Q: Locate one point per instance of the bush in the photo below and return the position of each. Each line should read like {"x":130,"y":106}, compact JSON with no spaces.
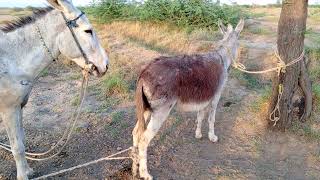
{"x":183,"y":13}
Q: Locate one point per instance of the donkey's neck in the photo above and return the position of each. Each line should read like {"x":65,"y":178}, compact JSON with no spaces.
{"x":223,"y":53}
{"x":25,"y":53}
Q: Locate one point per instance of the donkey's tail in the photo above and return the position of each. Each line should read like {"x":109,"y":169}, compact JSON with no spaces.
{"x":142,"y":106}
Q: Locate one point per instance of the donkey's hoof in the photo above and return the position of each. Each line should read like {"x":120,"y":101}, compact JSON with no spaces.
{"x":213,"y":138}
{"x":22,"y":177}
{"x":146,"y":176}
{"x":198,"y":135}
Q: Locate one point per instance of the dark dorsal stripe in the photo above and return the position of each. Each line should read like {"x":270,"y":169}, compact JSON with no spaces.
{"x":22,"y":21}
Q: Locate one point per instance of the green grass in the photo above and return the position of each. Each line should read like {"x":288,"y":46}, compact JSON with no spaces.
{"x":114,"y":84}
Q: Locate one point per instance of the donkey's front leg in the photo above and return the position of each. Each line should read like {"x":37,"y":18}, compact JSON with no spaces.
{"x":212,"y":115}
{"x":12,"y":119}
{"x":200,"y":117}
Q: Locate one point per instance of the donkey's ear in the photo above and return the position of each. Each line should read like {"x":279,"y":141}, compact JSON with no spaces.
{"x":239,"y":27}
{"x":230,"y":28}
{"x":222,"y":28}
{"x":62,"y":5}
{"x":55,"y":4}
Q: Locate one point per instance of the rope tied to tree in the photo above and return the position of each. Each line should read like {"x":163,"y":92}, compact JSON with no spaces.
{"x":275,"y":114}
{"x":280,"y":68}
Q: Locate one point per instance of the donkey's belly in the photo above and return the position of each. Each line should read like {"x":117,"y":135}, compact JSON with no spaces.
{"x":190,"y":107}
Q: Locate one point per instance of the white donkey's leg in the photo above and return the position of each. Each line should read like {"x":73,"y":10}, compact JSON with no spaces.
{"x":212,"y":112}
{"x":158,"y":116}
{"x":12,"y":119}
{"x":200,"y":117}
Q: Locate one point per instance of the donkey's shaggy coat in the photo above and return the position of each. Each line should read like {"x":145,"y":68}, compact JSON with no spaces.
{"x":183,"y":78}
{"x":193,"y":83}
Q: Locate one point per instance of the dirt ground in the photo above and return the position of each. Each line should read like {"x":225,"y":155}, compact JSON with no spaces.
{"x":246,"y":148}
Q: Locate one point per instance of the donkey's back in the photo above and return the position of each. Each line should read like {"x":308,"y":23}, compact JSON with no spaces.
{"x":188,"y":80}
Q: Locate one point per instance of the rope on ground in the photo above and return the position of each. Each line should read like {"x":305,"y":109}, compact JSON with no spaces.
{"x":281,"y":68}
{"x":108,"y":158}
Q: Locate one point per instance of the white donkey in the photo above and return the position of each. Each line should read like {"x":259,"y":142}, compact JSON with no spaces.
{"x":193,"y":83}
{"x":30,"y":44}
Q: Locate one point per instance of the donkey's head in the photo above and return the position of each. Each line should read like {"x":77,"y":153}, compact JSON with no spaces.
{"x":84,"y":34}
{"x":231,"y":38}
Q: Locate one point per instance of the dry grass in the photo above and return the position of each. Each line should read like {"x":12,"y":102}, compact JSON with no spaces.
{"x":164,"y":38}
{"x":7,"y":14}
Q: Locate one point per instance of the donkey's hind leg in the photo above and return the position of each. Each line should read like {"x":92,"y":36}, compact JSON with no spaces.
{"x":212,"y":112}
{"x":200,"y":117}
{"x":12,"y":119}
{"x":158,"y":116}
{"x":136,"y":134}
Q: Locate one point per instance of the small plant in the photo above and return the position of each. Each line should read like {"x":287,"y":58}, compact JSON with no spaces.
{"x":75,"y":101}
{"x":115,"y":85}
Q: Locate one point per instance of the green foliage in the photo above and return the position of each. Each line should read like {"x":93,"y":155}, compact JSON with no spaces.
{"x":183,"y":13}
{"x":115,"y":85}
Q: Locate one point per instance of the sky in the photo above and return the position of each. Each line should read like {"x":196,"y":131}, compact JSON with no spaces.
{"x":24,"y":3}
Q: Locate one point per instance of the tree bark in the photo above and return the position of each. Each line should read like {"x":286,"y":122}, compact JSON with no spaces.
{"x":291,"y":29}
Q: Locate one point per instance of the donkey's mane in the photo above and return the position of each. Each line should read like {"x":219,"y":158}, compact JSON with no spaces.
{"x":22,"y":21}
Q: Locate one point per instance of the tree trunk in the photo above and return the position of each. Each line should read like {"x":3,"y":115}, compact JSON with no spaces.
{"x":291,"y":29}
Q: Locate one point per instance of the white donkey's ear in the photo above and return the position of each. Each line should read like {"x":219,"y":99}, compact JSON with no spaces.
{"x":239,"y":27}
{"x":230,"y":28}
{"x":62,"y":5}
{"x":222,"y":28}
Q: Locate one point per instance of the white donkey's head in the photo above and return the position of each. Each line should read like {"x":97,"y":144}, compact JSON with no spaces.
{"x":78,"y":41}
{"x":231,"y":37}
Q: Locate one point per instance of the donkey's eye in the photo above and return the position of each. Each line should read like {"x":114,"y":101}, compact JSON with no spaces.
{"x":89,"y":31}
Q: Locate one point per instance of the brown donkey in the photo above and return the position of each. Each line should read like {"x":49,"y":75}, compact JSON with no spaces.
{"x":193,"y":83}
